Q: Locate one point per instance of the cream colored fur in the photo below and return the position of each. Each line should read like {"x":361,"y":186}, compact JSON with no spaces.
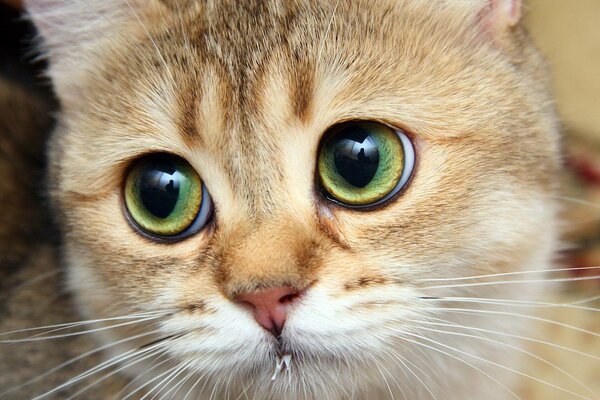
{"x":244,"y":92}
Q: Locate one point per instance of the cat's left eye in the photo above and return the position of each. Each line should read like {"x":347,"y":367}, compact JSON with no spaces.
{"x":165,"y":198}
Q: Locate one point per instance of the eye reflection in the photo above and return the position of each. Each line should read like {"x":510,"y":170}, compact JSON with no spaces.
{"x":356,"y":156}
{"x":159,"y":191}
{"x":166,"y":198}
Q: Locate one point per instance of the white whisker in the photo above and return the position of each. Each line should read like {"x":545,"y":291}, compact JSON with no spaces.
{"x":514,"y":336}
{"x":170,"y":378}
{"x":322,"y":47}
{"x":85,"y":322}
{"x":525,"y":316}
{"x":540,"y":272}
{"x":500,"y":366}
{"x":30,"y":282}
{"x":513,"y":394}
{"x":528,"y":281}
{"x":583,"y":301}
{"x":73,"y":360}
{"x":175,"y":389}
{"x":404,"y":362}
{"x":104,"y":328}
{"x":102,"y":366}
{"x":541,"y":359}
{"x":518,"y":303}
{"x":155,"y":364}
{"x":577,"y":201}
{"x":168,"y":372}
{"x":378,"y":365}
{"x":135,"y":360}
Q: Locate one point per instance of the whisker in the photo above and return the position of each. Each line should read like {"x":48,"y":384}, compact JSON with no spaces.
{"x":79,"y":323}
{"x":141,"y":387}
{"x":583,"y":301}
{"x":178,"y":386}
{"x":514,"y":336}
{"x":227,"y":385}
{"x":322,"y":47}
{"x":513,"y":394}
{"x":525,"y":316}
{"x":73,"y":360}
{"x":378,"y":365}
{"x":135,"y":360}
{"x":499,"y":366}
{"x":518,"y":303}
{"x":528,"y":281}
{"x":516,"y":273}
{"x":577,"y":201}
{"x":102,"y":366}
{"x":158,"y":341}
{"x":155,"y":364}
{"x":36,"y":339}
{"x":198,"y":380}
{"x":541,"y":359}
{"x":404,"y":362}
{"x":428,"y":361}
{"x":30,"y":282}
{"x":423,"y":356}
{"x":168,"y":379}
{"x":184,"y":33}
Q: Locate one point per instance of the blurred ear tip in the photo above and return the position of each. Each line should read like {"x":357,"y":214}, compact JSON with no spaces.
{"x":507,"y":12}
{"x":515,"y":12}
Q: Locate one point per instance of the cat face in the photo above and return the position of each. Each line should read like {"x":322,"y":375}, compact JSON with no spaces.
{"x":246,"y":96}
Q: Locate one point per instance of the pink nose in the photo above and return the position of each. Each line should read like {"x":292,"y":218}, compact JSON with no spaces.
{"x":270,"y":306}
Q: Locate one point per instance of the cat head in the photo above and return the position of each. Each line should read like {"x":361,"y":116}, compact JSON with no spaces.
{"x":266,"y":244}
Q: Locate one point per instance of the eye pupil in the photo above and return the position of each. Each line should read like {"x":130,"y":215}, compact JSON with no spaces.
{"x":356,"y":156}
{"x":159,"y":189}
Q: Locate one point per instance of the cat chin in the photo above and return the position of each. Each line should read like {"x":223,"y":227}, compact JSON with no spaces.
{"x":326,"y":379}
{"x":252,"y":373}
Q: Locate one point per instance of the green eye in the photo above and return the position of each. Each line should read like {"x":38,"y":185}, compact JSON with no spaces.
{"x":364,"y":163}
{"x":165,"y":197}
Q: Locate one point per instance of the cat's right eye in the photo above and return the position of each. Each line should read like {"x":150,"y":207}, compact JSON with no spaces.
{"x":165,"y":198}
{"x":363,"y":164}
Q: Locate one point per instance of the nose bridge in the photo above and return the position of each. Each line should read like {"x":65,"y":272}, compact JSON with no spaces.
{"x":257,"y":166}
{"x":267,"y":254}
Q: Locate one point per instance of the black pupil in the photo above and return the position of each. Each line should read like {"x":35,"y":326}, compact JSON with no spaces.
{"x":158,"y":188}
{"x":356,"y":155}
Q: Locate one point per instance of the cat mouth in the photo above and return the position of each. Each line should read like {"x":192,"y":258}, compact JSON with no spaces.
{"x":300,"y":352}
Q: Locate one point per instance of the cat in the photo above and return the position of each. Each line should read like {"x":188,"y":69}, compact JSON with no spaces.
{"x":292,"y":199}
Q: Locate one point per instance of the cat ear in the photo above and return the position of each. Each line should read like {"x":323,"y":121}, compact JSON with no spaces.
{"x":506,"y":13}
{"x":70,"y":30}
{"x":501,"y":15}
{"x":68,"y":25}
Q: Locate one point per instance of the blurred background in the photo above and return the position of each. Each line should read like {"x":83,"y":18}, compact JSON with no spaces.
{"x":568,"y":33}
